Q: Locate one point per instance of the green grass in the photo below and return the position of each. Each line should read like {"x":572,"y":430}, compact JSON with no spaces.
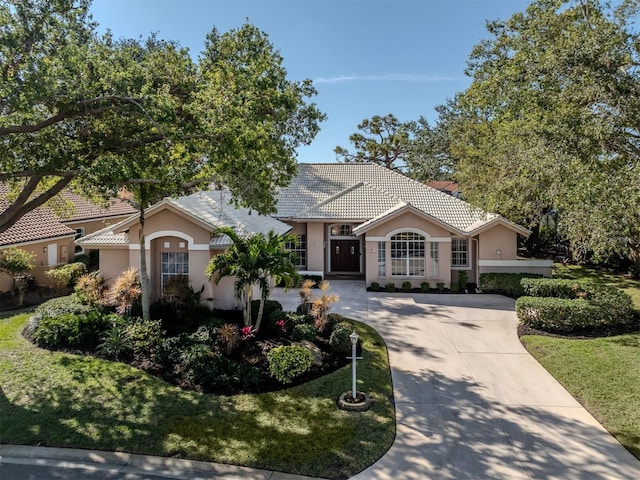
{"x":603,"y":374}
{"x":58,"y":399}
{"x":577,"y":272}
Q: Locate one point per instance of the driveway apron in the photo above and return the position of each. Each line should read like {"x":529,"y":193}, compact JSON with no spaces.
{"x":471,"y":403}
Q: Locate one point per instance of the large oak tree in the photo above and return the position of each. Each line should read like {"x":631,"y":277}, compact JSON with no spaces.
{"x":551,"y":121}
{"x":77,"y":108}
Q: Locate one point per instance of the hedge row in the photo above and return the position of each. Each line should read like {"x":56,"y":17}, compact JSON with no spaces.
{"x":505,"y":283}
{"x":563,"y":306}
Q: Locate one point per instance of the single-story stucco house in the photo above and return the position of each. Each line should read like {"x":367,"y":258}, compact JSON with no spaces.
{"x":50,"y":234}
{"x":350,"y":218}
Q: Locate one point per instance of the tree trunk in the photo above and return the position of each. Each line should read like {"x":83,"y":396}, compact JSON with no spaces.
{"x":260,"y":312}
{"x":144,"y":276}
{"x":247,"y":304}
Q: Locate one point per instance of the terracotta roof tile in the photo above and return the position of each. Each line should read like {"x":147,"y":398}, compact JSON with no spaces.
{"x":38,"y":224}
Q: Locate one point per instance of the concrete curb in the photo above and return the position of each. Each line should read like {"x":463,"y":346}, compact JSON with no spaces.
{"x":127,"y":463}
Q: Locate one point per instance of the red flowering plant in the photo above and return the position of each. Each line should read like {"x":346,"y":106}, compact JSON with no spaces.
{"x":247,"y":332}
{"x":281,"y":325}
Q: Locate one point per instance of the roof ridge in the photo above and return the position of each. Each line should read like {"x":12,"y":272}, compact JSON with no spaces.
{"x":333,"y":197}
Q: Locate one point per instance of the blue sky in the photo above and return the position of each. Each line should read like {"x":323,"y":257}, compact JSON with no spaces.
{"x":366,"y":57}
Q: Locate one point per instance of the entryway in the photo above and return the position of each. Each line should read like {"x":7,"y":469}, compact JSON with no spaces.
{"x":345,"y":256}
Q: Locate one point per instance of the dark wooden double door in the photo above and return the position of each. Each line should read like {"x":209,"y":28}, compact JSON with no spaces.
{"x":345,"y":256}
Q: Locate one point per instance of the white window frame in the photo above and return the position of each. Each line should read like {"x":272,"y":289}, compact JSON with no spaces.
{"x":434,"y":254}
{"x":405,"y":253}
{"x":79,"y":234}
{"x":180,"y":268}
{"x":299,"y":248}
{"x":382,"y":259}
{"x":456,"y":254}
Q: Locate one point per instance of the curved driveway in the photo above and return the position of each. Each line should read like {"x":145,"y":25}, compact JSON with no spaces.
{"x":471,"y":403}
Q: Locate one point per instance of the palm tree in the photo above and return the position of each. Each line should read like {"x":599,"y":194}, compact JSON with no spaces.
{"x":254,"y":260}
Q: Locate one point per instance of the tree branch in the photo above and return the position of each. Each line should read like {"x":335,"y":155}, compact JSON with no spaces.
{"x":21,"y":206}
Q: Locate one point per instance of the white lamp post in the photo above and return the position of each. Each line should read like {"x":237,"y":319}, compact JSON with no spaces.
{"x":354,"y":343}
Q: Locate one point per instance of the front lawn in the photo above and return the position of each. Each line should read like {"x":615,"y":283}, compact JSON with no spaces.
{"x":603,"y":374}
{"x":59,"y":399}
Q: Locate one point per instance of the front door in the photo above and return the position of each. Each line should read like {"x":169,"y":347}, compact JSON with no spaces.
{"x":345,"y":256}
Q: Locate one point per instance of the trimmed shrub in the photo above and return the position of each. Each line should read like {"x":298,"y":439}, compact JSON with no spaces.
{"x":286,"y":363}
{"x":505,"y":283}
{"x":554,"y":287}
{"x":593,"y":307}
{"x":339,"y":339}
{"x":390,"y":287}
{"x":425,"y":287}
{"x":462,"y":280}
{"x":406,"y":286}
{"x":69,"y":330}
{"x":143,"y":335}
{"x":440,"y":286}
{"x":170,"y":348}
{"x":55,"y":307}
{"x":64,"y":277}
{"x":375,"y":286}
{"x":304,"y":331}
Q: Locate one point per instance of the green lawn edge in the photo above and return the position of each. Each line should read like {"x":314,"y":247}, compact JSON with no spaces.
{"x":603,"y":374}
{"x":64,"y":400}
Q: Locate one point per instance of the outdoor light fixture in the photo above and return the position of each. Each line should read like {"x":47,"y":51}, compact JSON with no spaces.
{"x":354,"y":342}
{"x":498,"y":253}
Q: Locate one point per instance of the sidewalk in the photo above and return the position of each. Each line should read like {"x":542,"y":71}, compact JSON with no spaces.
{"x":126,"y":465}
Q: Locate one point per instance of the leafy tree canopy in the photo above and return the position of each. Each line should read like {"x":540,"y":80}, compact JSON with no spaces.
{"x":413,"y":147}
{"x":551,"y":121}
{"x":83,"y":109}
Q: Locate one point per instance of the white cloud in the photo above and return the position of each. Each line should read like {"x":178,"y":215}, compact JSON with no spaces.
{"x":393,"y":77}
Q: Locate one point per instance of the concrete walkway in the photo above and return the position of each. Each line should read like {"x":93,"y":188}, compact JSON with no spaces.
{"x":471,"y":403}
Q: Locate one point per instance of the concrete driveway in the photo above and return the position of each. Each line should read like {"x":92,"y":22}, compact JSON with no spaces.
{"x":471,"y":403}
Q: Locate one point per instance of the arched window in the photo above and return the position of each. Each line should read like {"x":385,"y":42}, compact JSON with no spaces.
{"x":407,"y":255}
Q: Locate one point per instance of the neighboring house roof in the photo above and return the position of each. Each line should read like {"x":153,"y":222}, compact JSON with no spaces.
{"x":83,"y":209}
{"x":446,"y":186}
{"x":365,"y":191}
{"x":38,"y":224}
{"x":44,"y":223}
{"x":211,"y":209}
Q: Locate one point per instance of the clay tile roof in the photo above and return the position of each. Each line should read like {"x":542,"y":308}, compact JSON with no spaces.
{"x":84,"y":209}
{"x":317,"y":183}
{"x":38,"y":224}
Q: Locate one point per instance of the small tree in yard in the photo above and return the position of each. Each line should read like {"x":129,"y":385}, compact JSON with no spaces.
{"x":125,"y":291}
{"x":18,"y":263}
{"x":253,"y":260}
{"x":321,"y":305}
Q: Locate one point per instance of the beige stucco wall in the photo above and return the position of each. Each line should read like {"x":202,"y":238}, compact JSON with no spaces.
{"x":498,"y":238}
{"x":169,"y":221}
{"x":64,"y":249}
{"x":409,"y":221}
{"x":315,"y":246}
{"x":113,"y":262}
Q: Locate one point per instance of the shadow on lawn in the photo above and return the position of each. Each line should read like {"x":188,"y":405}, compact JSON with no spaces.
{"x":105,"y":406}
